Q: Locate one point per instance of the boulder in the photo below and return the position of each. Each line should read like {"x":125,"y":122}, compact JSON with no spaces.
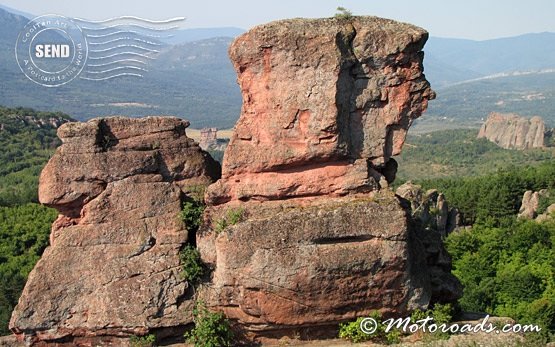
{"x":326,"y":104}
{"x":112,"y":267}
{"x":430,"y":208}
{"x":284,"y":267}
{"x":512,"y":131}
{"x":530,"y":204}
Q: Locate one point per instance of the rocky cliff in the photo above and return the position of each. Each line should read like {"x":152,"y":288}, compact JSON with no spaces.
{"x":320,"y":239}
{"x":301,"y":232}
{"x":112,"y":268}
{"x":512,"y":131}
{"x":326,"y":103}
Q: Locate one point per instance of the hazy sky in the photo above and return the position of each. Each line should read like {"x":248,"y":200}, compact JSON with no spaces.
{"x":474,"y":19}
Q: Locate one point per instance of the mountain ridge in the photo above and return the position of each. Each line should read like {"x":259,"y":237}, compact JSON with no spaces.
{"x":194,"y":79}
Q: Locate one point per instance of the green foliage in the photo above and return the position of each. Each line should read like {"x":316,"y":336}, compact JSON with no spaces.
{"x":343,"y":13}
{"x":192,"y":267}
{"x":441,"y":314}
{"x":28,"y":139}
{"x":546,"y":201}
{"x":211,"y":329}
{"x":143,"y":341}
{"x":508,"y":270}
{"x":493,"y":199}
{"x":24,"y":234}
{"x":232,"y":217}
{"x":191,"y":214}
{"x":456,"y":153}
{"x":351,"y":331}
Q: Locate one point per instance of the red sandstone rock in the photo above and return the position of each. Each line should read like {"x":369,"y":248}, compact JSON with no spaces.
{"x":299,"y":265}
{"x":326,"y":103}
{"x":321,"y":95}
{"x":112,"y":268}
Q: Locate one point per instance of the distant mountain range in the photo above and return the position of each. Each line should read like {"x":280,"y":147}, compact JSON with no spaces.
{"x":448,"y":61}
{"x":193,"y":78}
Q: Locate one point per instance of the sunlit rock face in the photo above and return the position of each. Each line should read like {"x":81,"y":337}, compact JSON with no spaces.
{"x":112,"y":268}
{"x":326,"y":103}
{"x":319,"y":240}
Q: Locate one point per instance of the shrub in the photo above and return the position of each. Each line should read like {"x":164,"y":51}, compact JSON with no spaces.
{"x":351,"y":331}
{"x":192,"y":268}
{"x":343,"y":13}
{"x":232,"y":217}
{"x":191,"y":214}
{"x":142,"y":341}
{"x":442,"y":313}
{"x":211,"y":329}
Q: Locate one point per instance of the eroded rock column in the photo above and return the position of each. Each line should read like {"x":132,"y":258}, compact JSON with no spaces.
{"x":300,"y":231}
{"x":112,"y":268}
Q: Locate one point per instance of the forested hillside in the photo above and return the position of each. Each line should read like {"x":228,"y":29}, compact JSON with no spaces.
{"x":456,"y":153}
{"x":28,"y":139}
{"x":506,"y":265}
{"x":24,"y":234}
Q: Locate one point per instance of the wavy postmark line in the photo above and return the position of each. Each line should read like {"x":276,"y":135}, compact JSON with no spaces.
{"x":124,"y":39}
{"x":132,"y":32}
{"x":118,"y":68}
{"x":123,"y":46}
{"x":115,"y":26}
{"x":110,"y":77}
{"x":171,"y":20}
{"x":118,"y":62}
{"x":122,"y":53}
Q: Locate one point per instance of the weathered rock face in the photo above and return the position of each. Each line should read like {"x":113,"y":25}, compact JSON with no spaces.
{"x":326,"y":103}
{"x":531,"y":204}
{"x":113,"y":264}
{"x":285,"y":266}
{"x":513,"y":132}
{"x":430,"y":208}
{"x":298,"y":232}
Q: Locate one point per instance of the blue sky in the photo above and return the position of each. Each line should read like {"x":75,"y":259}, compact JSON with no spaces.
{"x":472,"y":19}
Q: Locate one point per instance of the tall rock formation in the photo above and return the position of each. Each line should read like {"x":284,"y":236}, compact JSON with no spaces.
{"x":301,"y":233}
{"x":112,"y":268}
{"x":298,"y":232}
{"x":512,"y":131}
{"x":326,"y":104}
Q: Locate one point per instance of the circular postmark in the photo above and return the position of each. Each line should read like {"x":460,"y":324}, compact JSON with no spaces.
{"x":51,"y":50}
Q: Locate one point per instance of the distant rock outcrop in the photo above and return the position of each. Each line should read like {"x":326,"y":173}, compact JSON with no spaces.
{"x":112,"y":268}
{"x":512,"y":131}
{"x":430,"y":208}
{"x":299,"y":231}
{"x":530,"y":207}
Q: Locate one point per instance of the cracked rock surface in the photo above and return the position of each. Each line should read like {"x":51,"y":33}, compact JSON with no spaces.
{"x":112,"y":267}
{"x":512,"y":131}
{"x":326,"y":103}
